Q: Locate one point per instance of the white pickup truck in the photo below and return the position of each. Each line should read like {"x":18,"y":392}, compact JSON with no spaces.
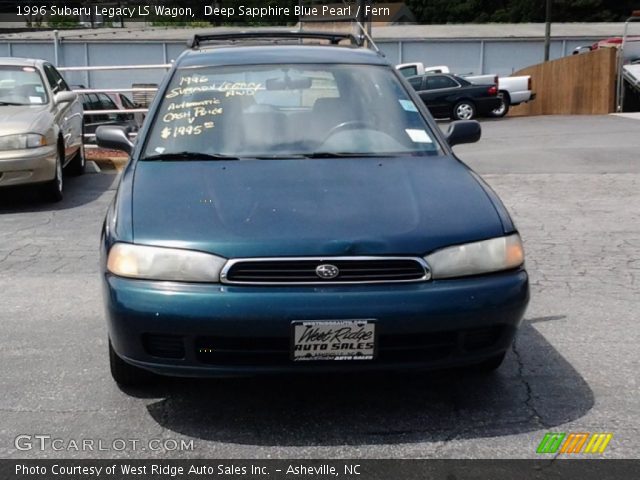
{"x":512,"y":90}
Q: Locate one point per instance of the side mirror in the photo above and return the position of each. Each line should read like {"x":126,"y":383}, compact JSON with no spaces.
{"x":114,"y":138}
{"x":64,"y":97}
{"x":464,"y":131}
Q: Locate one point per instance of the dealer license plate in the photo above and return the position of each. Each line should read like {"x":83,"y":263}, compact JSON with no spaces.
{"x":333,"y":340}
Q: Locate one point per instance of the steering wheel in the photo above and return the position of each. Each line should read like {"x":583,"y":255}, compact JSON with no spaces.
{"x":350,"y":125}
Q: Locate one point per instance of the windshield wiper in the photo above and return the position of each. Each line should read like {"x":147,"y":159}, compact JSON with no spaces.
{"x":188,"y":156}
{"x":12,"y":104}
{"x":361,"y":155}
{"x":292,"y":156}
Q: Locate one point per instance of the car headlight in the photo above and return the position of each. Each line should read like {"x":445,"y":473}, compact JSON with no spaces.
{"x":159,"y":263}
{"x":21,"y":141}
{"x":494,"y":255}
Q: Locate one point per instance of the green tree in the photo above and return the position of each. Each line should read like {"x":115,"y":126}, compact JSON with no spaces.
{"x":518,"y":11}
{"x":63,"y":22}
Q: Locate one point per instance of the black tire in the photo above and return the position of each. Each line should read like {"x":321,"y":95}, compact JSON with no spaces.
{"x":53,"y":189}
{"x":464,"y":110}
{"x":489,"y":365}
{"x":78,"y":162}
{"x":125,"y":374}
{"x":503,"y":109}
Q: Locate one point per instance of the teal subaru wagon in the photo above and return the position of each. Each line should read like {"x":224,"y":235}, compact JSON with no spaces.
{"x":291,"y":206}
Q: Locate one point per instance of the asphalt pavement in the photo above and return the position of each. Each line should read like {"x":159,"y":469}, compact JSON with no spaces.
{"x":573,"y":187}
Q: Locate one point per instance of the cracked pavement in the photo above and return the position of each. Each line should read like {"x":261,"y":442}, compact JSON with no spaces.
{"x":572,"y":185}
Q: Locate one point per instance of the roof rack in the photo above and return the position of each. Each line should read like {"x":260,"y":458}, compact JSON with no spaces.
{"x":333,"y":38}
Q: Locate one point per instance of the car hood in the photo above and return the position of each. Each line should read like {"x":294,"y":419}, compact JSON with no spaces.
{"x":320,"y":207}
{"x":20,"y":119}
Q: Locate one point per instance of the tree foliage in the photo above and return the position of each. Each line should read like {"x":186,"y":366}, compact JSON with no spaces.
{"x":519,"y":11}
{"x":63,"y":22}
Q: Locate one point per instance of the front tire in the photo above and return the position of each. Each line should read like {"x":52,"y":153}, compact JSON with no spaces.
{"x":503,"y":109}
{"x":464,"y":110}
{"x":125,"y":374}
{"x":52,"y":190}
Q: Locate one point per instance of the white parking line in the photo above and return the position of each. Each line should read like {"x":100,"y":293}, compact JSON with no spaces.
{"x":92,"y":167}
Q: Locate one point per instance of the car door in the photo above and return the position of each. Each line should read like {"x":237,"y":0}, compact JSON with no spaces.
{"x":417,"y":83}
{"x":107,"y":103}
{"x":137,"y":118}
{"x":92,"y":120}
{"x":439,"y":94}
{"x":68,"y":116}
{"x":98,"y":102}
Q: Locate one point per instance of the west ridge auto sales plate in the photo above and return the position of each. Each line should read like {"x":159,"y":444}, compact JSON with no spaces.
{"x":333,"y":340}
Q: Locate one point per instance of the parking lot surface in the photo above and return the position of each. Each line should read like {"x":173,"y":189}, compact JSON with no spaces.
{"x":573,"y":187}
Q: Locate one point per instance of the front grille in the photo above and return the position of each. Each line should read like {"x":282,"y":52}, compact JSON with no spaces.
{"x":303,"y":270}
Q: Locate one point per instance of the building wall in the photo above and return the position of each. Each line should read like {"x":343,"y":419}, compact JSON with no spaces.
{"x":113,"y":54}
{"x":499,"y":56}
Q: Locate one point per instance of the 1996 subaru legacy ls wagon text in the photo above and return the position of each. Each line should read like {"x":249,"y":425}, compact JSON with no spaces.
{"x":293,"y":207}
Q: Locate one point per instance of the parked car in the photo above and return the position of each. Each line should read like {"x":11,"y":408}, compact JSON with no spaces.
{"x":40,"y":125}
{"x":580,"y":49}
{"x":631,"y":46}
{"x":412,"y":69}
{"x":104,"y":101}
{"x":511,"y":90}
{"x":125,"y":103}
{"x":451,"y":96}
{"x":240,"y":243}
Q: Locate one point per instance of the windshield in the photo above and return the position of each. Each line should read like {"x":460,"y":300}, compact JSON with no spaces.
{"x":287,"y":111}
{"x":21,"y":86}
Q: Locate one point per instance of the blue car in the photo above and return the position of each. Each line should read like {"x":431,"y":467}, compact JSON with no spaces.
{"x":293,"y":207}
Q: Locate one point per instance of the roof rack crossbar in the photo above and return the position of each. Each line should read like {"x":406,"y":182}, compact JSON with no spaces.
{"x":333,"y":38}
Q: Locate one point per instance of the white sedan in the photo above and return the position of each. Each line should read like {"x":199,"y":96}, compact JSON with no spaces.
{"x":40,"y":126}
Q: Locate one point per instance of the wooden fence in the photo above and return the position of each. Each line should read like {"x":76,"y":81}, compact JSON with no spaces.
{"x":579,"y":84}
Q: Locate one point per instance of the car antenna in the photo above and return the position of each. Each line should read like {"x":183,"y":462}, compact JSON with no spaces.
{"x":365,"y":34}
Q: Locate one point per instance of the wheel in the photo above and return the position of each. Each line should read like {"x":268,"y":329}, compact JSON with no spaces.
{"x":503,"y":109}
{"x":464,"y":110}
{"x":77,"y":164}
{"x":126,"y":374}
{"x":53,"y":189}
{"x":489,"y":365}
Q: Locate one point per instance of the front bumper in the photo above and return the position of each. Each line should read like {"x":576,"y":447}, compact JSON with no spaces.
{"x":421,"y":325}
{"x":33,"y":165}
